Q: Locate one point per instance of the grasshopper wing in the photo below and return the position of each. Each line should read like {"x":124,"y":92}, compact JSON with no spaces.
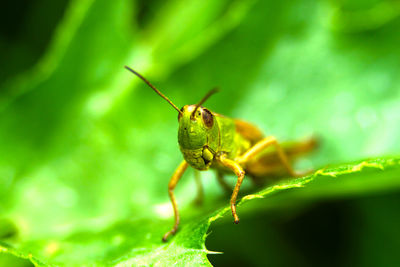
{"x":248,"y":131}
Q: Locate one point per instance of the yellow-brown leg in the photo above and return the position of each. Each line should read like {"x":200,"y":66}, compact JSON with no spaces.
{"x":238,"y":170}
{"x":171,"y":186}
{"x":200,"y":192}
{"x":223,"y":183}
{"x":260,"y":146}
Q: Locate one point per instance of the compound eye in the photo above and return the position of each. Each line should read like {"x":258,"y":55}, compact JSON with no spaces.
{"x":208,"y":118}
{"x":180,"y":114}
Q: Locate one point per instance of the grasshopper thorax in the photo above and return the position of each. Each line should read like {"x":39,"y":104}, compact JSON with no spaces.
{"x":197,"y":136}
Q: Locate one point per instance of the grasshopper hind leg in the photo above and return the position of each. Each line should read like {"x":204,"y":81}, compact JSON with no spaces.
{"x":238,"y":166}
{"x":261,"y":146}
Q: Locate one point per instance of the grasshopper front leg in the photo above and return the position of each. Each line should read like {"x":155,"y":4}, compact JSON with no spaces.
{"x":171,"y":186}
{"x":236,"y":166}
{"x":238,"y":170}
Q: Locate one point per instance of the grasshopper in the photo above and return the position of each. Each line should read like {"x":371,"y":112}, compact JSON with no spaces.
{"x":210,"y":140}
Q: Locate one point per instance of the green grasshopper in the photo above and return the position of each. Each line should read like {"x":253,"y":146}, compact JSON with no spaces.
{"x":210,"y":140}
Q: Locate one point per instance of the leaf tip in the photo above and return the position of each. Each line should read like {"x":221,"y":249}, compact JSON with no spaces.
{"x":214,"y":252}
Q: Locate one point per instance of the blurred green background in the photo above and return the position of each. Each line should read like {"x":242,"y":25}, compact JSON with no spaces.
{"x":86,"y":146}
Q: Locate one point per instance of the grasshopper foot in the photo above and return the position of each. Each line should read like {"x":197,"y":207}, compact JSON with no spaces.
{"x":235,"y":218}
{"x":167,"y":234}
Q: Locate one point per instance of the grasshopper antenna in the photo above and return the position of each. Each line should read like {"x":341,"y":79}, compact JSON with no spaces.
{"x":154,"y":88}
{"x":210,"y":93}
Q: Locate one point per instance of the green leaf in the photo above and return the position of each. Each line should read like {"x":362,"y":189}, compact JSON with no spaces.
{"x":138,"y":242}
